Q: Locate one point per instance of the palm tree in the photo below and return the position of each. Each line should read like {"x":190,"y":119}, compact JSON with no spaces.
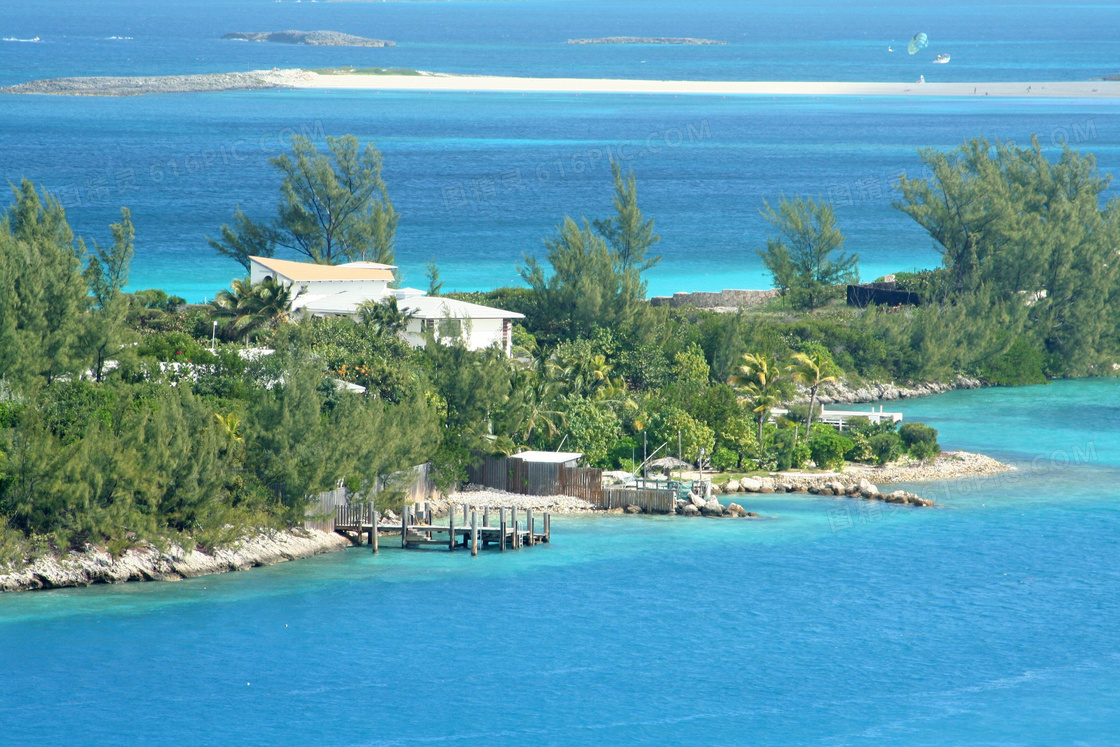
{"x":384,"y":316}
{"x":760,"y":379}
{"x":811,"y":369}
{"x":534,"y":405}
{"x":248,"y":307}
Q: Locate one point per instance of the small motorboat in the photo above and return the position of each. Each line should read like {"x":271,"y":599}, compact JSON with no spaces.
{"x":942,"y":59}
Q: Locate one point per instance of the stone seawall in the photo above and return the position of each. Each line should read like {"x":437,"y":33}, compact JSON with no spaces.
{"x":726,"y":300}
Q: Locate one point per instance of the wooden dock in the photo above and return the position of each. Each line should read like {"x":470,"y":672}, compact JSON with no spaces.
{"x":467,"y":528}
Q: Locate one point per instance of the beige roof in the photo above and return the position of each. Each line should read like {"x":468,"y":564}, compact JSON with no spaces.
{"x":297,"y":271}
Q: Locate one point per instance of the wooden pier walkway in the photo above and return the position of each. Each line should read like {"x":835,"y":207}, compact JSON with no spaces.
{"x":501,"y":527}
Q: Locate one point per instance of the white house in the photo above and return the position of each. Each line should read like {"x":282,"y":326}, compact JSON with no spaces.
{"x":338,"y":290}
{"x":307,"y":278}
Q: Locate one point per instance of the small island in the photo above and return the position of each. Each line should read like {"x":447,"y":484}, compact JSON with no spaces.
{"x":645,"y":40}
{"x":310,"y":38}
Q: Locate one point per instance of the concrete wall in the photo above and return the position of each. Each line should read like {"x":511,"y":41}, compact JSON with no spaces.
{"x":723,"y":299}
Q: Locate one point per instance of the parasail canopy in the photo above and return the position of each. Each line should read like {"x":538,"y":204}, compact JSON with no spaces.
{"x":917,"y":44}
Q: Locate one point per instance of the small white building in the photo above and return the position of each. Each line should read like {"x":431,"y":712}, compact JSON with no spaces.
{"x":338,"y":290}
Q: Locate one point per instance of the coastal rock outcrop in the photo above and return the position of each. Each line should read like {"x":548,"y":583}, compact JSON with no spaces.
{"x":310,"y":38}
{"x":140,"y":84}
{"x":712,"y":508}
{"x":843,"y":393}
{"x":147,"y":563}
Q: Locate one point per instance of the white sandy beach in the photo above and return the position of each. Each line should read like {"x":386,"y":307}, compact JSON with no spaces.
{"x":439,"y":82}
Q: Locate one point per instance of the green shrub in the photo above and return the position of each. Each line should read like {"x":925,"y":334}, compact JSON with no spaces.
{"x":725,"y":459}
{"x":177,"y":347}
{"x":914,"y":433}
{"x":828,"y":449}
{"x":861,"y":448}
{"x":624,"y":450}
{"x":886,"y":447}
{"x":923,"y":450}
{"x":1021,"y":365}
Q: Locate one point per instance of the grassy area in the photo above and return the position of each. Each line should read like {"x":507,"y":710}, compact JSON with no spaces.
{"x":349,"y":70}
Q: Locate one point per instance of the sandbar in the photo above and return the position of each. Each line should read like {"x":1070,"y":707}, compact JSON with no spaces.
{"x":502,"y":84}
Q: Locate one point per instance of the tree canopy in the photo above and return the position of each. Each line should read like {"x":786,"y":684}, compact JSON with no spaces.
{"x":334,"y":207}
{"x":806,"y":257}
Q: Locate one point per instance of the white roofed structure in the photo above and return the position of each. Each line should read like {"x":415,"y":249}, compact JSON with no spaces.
{"x":338,"y":290}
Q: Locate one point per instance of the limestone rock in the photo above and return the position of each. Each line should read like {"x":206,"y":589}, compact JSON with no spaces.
{"x":734,"y":486}
{"x":866,"y":487}
{"x":633,"y":509}
{"x":697,"y":500}
{"x":734,"y":509}
{"x":752,"y":515}
{"x":690,"y":510}
{"x":750,"y":485}
{"x":712,"y":508}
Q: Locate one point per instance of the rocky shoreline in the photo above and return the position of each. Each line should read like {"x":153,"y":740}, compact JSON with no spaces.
{"x":94,"y":565}
{"x":147,"y":563}
{"x":138,"y":85}
{"x":862,"y":480}
{"x":309,"y":38}
{"x":843,"y":393}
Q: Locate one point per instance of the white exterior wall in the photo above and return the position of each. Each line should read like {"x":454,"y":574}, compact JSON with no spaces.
{"x":374,"y":289}
{"x":481,"y":333}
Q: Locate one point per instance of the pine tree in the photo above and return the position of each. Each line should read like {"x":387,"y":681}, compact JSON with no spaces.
{"x":43,"y":296}
{"x":627,"y":232}
{"x":333,"y":208}
{"x":105,"y":334}
{"x":806,"y":256}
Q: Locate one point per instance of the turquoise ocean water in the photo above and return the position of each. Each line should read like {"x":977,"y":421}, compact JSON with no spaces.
{"x":482,"y":179}
{"x":988,"y":621}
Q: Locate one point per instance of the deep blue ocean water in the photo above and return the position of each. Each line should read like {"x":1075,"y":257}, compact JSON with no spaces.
{"x":481,"y":180}
{"x":988,"y":621}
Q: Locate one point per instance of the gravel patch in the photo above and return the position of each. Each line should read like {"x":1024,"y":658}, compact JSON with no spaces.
{"x":474,"y":495}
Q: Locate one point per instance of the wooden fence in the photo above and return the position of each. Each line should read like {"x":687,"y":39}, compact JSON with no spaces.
{"x":533,"y":478}
{"x":651,"y":500}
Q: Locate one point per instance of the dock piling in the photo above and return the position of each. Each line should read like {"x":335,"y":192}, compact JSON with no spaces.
{"x":451,"y":530}
{"x":531,"y":523}
{"x":474,"y":532}
{"x":373,"y":533}
{"x":548,"y":527}
{"x":501,"y":530}
{"x":404,"y":528}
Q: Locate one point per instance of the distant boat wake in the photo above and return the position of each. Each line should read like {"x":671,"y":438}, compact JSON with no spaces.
{"x":13,"y":39}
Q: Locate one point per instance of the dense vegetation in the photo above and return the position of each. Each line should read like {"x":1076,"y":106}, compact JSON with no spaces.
{"x":121,"y":422}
